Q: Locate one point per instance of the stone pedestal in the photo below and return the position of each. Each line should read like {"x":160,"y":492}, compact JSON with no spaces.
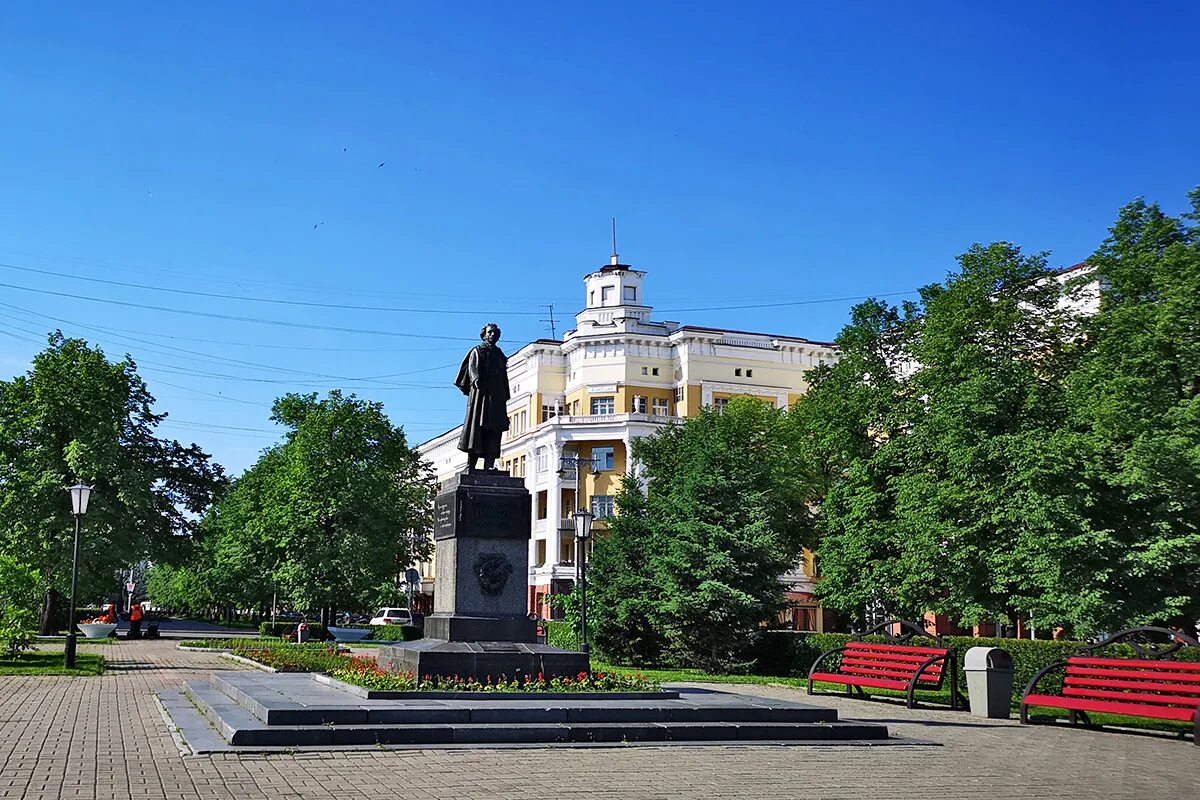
{"x":479,"y":625}
{"x":481,"y":537}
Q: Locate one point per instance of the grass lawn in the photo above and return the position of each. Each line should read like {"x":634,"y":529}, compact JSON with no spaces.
{"x":941,"y":698}
{"x":51,"y":663}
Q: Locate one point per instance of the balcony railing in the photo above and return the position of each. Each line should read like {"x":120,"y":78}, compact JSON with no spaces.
{"x":610,"y":419}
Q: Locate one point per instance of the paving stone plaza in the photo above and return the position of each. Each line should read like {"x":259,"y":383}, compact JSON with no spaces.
{"x":106,"y":738}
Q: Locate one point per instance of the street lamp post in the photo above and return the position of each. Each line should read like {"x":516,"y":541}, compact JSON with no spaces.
{"x":80,"y":494}
{"x":583,"y":532}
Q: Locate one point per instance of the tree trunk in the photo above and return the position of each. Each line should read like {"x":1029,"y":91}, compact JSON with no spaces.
{"x":325,"y":616}
{"x":51,"y":610}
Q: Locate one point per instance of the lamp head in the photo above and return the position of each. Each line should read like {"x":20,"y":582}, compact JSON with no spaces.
{"x":81,"y":493}
{"x":583,"y":524}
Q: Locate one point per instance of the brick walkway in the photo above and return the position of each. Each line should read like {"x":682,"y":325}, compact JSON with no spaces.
{"x":68,"y":738}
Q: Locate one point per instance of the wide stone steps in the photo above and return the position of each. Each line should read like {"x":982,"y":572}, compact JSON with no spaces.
{"x":259,"y":710}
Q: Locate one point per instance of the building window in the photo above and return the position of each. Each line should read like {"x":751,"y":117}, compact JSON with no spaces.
{"x":654,"y":371}
{"x":541,"y":553}
{"x":720,"y":403}
{"x":645,"y":371}
{"x":679,"y":395}
{"x":749,"y":373}
{"x":604,"y":405}
{"x":639,"y":404}
{"x":605,"y":294}
{"x":738,"y":372}
{"x":659,"y":407}
{"x":550,"y":411}
{"x":631,"y":294}
{"x":543,"y":505}
{"x":602,"y":506}
{"x":603,"y":459}
{"x":575,"y":408}
{"x":541,"y":460}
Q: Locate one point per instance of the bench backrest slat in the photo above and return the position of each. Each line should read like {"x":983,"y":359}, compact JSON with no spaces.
{"x":1141,"y":686}
{"x":1166,"y":675}
{"x":891,"y":675}
{"x":895,"y":658}
{"x":899,"y":666}
{"x":929,"y":652}
{"x":1133,"y":663}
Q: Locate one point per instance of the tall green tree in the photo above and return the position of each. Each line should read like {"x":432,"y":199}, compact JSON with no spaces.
{"x":78,"y":416}
{"x":322,"y":519}
{"x":624,"y":596}
{"x":967,"y":501}
{"x":1136,"y":397}
{"x":725,"y":514}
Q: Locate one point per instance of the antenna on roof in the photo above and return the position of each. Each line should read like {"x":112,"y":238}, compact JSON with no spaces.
{"x":553,"y":332}
{"x":615,"y":259}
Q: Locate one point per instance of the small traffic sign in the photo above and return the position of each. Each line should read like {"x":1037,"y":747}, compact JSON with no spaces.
{"x":129,"y":587}
{"x":411,"y":576}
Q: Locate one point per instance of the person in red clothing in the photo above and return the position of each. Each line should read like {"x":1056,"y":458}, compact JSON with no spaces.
{"x":135,"y":621}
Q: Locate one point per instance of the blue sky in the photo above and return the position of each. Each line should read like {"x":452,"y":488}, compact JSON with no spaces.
{"x":752,"y":153}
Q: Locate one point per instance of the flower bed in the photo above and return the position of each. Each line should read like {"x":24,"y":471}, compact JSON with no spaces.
{"x":298,"y":659}
{"x":366,"y":673}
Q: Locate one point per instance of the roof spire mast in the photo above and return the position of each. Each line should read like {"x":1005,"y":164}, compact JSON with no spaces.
{"x":614,"y":260}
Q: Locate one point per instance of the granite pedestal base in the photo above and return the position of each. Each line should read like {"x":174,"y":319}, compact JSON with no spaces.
{"x":481,"y":659}
{"x":466,"y":628}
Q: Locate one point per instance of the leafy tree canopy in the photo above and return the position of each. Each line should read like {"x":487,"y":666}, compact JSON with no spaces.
{"x":76,"y":416}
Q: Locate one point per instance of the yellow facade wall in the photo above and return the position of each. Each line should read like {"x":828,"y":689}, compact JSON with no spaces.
{"x":691,"y":400}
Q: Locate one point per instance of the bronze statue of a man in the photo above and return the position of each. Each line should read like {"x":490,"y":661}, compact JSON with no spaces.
{"x":483,"y":378}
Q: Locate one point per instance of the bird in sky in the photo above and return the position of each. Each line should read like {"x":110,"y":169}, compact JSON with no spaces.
{"x":381,"y":163}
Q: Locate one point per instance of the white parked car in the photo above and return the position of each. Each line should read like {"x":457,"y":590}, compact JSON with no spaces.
{"x":392,"y":616}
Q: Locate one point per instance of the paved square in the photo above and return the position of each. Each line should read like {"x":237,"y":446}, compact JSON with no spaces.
{"x":105,"y":738}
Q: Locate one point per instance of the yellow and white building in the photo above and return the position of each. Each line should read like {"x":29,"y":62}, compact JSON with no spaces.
{"x":617,"y":376}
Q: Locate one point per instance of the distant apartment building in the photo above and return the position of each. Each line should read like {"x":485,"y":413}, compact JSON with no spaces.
{"x":617,"y":376}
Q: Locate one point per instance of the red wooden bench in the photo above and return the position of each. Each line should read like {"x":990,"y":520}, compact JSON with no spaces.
{"x":898,"y":664}
{"x":1151,"y":685}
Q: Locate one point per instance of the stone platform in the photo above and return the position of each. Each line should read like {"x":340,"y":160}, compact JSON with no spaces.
{"x":481,"y":660}
{"x":259,"y":712}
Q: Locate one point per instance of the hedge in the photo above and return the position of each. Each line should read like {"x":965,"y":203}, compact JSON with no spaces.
{"x":559,"y":633}
{"x":787,"y":654}
{"x":316,"y":631}
{"x":395,"y":633}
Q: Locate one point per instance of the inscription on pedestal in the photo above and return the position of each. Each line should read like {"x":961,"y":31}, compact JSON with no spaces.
{"x":490,"y":510}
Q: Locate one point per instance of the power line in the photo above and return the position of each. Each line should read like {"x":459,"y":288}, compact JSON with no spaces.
{"x":209,"y":276}
{"x":220,"y":361}
{"x":784,"y":304}
{"x":236,"y":318}
{"x":269,"y":300}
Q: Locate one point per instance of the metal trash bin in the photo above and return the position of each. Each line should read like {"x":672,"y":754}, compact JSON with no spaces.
{"x":302,"y":633}
{"x":989,"y":681}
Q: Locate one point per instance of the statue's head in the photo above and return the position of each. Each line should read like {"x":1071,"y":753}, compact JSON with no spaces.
{"x":490,"y":333}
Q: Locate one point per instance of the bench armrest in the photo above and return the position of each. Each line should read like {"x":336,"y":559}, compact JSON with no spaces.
{"x":821,"y":658}
{"x":1040,"y":674}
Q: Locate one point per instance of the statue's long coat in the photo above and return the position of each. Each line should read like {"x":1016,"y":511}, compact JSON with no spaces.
{"x":487,"y":404}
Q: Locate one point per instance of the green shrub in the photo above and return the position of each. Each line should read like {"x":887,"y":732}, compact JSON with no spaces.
{"x":315,"y":629}
{"x":560,"y":633}
{"x":395,"y":633}
{"x":18,"y":603}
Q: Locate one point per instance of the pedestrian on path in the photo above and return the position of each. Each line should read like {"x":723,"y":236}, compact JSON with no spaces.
{"x":135,"y":621}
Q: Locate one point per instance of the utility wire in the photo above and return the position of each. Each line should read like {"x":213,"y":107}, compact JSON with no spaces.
{"x":214,"y":360}
{"x":236,"y":318}
{"x":270,"y":300}
{"x":243,"y":343}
